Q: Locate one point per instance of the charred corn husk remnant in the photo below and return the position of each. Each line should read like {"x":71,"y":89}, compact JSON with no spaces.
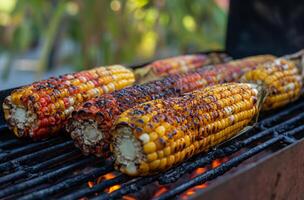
{"x":154,"y":136}
{"x":178,"y":64}
{"x":90,"y":124}
{"x":42,"y":108}
{"x":282,"y":80}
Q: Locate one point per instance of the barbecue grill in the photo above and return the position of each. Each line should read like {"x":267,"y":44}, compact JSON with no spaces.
{"x":54,"y":168}
{"x":265,"y":162}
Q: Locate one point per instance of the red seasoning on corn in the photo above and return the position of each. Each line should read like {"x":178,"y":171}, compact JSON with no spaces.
{"x":90,"y":124}
{"x":42,"y":108}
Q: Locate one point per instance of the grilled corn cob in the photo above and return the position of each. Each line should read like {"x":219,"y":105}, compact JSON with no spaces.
{"x":90,"y":124}
{"x":159,"y":134}
{"x":178,"y":64}
{"x":282,"y":80}
{"x":41,"y":109}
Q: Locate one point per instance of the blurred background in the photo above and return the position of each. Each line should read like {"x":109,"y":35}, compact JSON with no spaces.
{"x":46,"y":38}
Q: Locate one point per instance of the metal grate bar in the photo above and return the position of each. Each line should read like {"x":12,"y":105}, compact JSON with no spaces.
{"x":28,"y":149}
{"x":45,"y":178}
{"x":3,"y":127}
{"x":268,"y":122}
{"x":12,"y":177}
{"x":29,"y":157}
{"x":30,"y":171}
{"x":68,"y":183}
{"x":75,"y":154}
{"x":10,"y":143}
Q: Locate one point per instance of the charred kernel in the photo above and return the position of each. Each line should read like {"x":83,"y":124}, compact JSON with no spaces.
{"x":87,"y":104}
{"x":138,"y":130}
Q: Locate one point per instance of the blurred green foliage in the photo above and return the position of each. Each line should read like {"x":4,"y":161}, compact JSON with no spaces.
{"x":109,"y":31}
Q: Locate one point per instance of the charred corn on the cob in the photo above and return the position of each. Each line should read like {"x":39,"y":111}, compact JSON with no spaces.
{"x":157,"y":135}
{"x":178,"y":64}
{"x":90,"y":124}
{"x":41,"y":109}
{"x":282,"y":80}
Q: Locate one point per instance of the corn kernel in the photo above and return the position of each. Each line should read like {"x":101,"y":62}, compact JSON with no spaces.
{"x":150,"y":147}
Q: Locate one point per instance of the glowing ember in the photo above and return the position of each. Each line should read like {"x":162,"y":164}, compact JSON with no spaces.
{"x":103,"y":178}
{"x":200,"y":171}
{"x":108,"y":177}
{"x":91,"y":184}
{"x":160,"y":192}
{"x":113,"y":188}
{"x":216,"y":163}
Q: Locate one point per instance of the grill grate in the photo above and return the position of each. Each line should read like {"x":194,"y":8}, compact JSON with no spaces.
{"x":54,"y":168}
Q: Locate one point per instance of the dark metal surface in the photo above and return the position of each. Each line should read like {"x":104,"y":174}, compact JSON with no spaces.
{"x":259,"y":27}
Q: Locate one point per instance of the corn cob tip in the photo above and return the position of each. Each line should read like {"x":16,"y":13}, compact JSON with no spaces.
{"x":18,"y":117}
{"x":88,"y":137}
{"x":128,"y":149}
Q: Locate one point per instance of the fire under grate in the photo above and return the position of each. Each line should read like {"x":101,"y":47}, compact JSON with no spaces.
{"x":54,"y":168}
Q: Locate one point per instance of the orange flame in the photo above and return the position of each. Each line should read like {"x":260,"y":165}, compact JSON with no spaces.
{"x":215,"y":163}
{"x":199,"y":171}
{"x":113,"y":188}
{"x":107,"y":177}
{"x":102,"y":178}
